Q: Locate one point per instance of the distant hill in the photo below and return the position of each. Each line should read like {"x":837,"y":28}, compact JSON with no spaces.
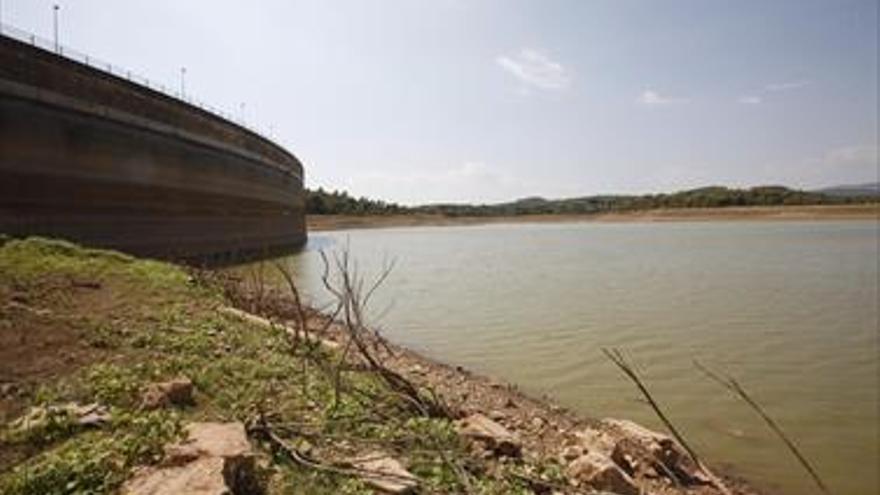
{"x":321,"y":202}
{"x":703,"y":197}
{"x":870,"y":189}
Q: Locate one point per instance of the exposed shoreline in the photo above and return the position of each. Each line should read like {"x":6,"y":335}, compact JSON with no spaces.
{"x":318,"y":223}
{"x":547,"y":430}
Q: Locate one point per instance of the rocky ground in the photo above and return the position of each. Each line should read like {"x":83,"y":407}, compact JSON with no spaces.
{"x":132,"y":376}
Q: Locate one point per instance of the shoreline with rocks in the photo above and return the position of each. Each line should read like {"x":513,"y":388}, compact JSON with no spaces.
{"x":503,"y":424}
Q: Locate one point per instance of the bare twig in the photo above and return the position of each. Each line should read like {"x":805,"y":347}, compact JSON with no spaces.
{"x":302,"y":323}
{"x":734,"y":386}
{"x":353,"y":294}
{"x":265,"y":430}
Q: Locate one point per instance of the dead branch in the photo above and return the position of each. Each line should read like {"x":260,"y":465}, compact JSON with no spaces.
{"x":264,"y":430}
{"x":734,"y":386}
{"x":302,"y":323}
{"x":353,"y":296}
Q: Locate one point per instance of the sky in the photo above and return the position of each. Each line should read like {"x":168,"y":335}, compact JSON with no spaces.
{"x":485,"y":101}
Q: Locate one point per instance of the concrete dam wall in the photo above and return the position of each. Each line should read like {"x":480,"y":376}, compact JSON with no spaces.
{"x":89,"y":156}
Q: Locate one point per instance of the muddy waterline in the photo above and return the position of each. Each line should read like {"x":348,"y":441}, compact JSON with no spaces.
{"x":790,"y":309}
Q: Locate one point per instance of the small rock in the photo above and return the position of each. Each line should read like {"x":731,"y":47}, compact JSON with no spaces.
{"x":213,"y":439}
{"x":386,"y":474}
{"x":92,"y":415}
{"x":571,"y":453}
{"x":8,"y":390}
{"x":596,"y":441}
{"x":71,"y":413}
{"x":496,"y":437}
{"x":537,"y":423}
{"x":509,"y":403}
{"x":216,"y":459}
{"x":417,"y":369}
{"x":176,"y":392}
{"x":599,"y":472}
{"x":497,"y":415}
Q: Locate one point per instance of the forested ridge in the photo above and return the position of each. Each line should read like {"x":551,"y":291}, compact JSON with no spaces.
{"x":321,"y":202}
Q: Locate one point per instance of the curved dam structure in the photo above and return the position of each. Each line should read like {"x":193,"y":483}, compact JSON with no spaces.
{"x":90,"y":156}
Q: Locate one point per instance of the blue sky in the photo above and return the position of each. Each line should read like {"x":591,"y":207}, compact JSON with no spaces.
{"x":454,"y":100}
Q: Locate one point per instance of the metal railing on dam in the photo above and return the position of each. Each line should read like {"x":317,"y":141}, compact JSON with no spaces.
{"x":104,"y":157}
{"x":77,"y":56}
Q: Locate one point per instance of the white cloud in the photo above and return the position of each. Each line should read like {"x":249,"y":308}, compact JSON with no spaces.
{"x":785,"y":86}
{"x":856,"y":155}
{"x":533,"y":68}
{"x":758,"y":96}
{"x":651,"y":97}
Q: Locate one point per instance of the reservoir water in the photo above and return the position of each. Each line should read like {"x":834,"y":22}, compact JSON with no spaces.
{"x":790,"y":309}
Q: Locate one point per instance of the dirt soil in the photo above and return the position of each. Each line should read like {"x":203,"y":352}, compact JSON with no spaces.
{"x":42,"y":335}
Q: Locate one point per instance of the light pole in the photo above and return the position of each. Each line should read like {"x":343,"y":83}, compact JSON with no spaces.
{"x":183,"y":82}
{"x":241,"y":110}
{"x":55,"y":25}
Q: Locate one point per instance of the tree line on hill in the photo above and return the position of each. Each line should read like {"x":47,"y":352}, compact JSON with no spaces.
{"x":320,"y":202}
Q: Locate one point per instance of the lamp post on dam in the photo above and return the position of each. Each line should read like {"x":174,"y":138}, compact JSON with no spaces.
{"x":55,"y":9}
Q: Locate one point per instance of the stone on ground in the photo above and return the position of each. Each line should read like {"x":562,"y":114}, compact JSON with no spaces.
{"x":177,"y":392}
{"x":494,"y":436}
{"x":600,"y":473}
{"x":215,"y":459}
{"x":89,"y":415}
{"x":386,"y":474}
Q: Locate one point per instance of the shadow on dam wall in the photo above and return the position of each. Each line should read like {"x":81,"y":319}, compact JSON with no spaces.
{"x":91,"y":157}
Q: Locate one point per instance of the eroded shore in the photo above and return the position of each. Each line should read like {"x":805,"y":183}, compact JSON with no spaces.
{"x":754,"y":213}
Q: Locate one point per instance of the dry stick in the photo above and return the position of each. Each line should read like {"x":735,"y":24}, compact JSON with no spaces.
{"x":302,"y":325}
{"x":617,"y":358}
{"x":731,"y":384}
{"x":350,"y":293}
{"x":301,"y":459}
{"x":297,"y":302}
